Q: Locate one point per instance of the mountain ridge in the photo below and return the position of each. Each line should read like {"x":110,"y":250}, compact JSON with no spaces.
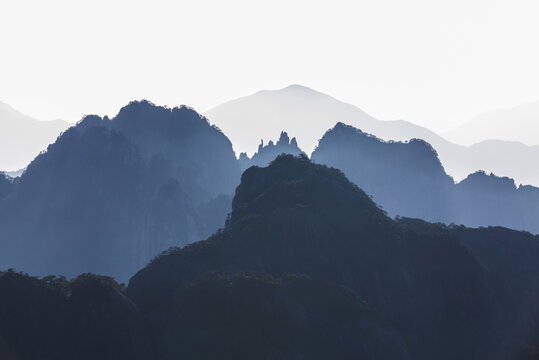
{"x":408,"y":179}
{"x":308,"y":260}
{"x":311,"y":113}
{"x":112,"y":193}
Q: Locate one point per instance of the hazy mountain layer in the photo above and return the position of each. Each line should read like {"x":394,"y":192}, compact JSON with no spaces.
{"x":109,"y":195}
{"x":307,"y":114}
{"x":407,"y":179}
{"x":22,"y":138}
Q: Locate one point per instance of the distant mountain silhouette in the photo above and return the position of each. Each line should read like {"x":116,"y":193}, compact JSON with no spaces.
{"x":505,"y":158}
{"x":483,"y":199}
{"x":307,"y":114}
{"x":516,"y":124}
{"x":110,"y":194}
{"x":404,"y":178}
{"x":441,"y":299}
{"x":22,"y":138}
{"x":407,"y":179}
{"x":267,"y":153}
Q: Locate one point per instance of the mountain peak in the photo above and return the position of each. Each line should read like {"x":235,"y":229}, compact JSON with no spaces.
{"x":294,"y":90}
{"x":481,"y":179}
{"x":283,"y":139}
{"x":298,"y":87}
{"x":266,"y":154}
{"x":294,"y":181}
{"x":140,"y":106}
{"x":296,"y":109}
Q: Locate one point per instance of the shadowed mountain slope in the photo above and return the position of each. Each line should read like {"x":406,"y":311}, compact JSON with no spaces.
{"x":246,"y":316}
{"x":298,"y":217}
{"x":52,"y":318}
{"x":307,"y":266}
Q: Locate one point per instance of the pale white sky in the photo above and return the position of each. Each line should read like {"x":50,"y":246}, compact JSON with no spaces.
{"x":431,"y":62}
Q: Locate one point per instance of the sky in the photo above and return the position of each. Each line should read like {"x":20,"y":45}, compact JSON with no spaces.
{"x":435,"y":63}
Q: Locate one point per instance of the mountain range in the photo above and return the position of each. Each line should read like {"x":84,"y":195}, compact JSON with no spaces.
{"x":22,"y":138}
{"x":408,"y":179}
{"x":269,"y":256}
{"x":444,"y":292}
{"x":306,"y":266}
{"x":500,"y":142}
{"x":112,"y":193}
{"x":308,"y":114}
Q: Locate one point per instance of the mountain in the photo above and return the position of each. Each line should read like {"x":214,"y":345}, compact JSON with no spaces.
{"x":483,"y":199}
{"x":110,"y":194}
{"x":91,"y":317}
{"x":22,"y":138}
{"x":505,"y":158}
{"x":440,"y":298}
{"x":295,"y":109}
{"x":308,"y":114}
{"x":408,"y":179}
{"x":516,"y":124}
{"x":267,"y":153}
{"x":307,"y":266}
{"x":52,"y":318}
{"x":404,"y":178}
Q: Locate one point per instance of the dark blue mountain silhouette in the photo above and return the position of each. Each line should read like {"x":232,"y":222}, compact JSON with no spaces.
{"x":407,"y":179}
{"x":307,"y":266}
{"x":86,"y":318}
{"x":443,"y":291}
{"x":110,"y":194}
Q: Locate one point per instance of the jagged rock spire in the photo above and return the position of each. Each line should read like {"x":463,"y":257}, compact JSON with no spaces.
{"x":283,"y":139}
